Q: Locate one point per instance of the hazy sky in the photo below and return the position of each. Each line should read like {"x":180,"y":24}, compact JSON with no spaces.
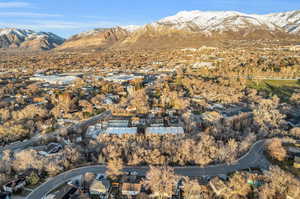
{"x":67,"y":17}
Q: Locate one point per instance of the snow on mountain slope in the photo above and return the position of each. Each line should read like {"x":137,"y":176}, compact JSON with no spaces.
{"x":290,"y":21}
{"x":208,"y":21}
{"x":19,"y":32}
{"x":23,"y":38}
{"x":131,"y":28}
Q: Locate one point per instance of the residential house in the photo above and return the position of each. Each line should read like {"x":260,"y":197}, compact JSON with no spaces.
{"x":198,"y":99}
{"x":203,"y":65}
{"x":100,"y":187}
{"x":297,"y":143}
{"x":156,"y":122}
{"x":211,"y":116}
{"x":131,"y":186}
{"x":297,"y":162}
{"x":15,"y":185}
{"x":156,"y":110}
{"x":292,"y":151}
{"x":131,"y":109}
{"x":94,"y":131}
{"x":131,"y":189}
{"x":51,"y":148}
{"x":136,"y":121}
{"x":64,"y":193}
{"x":111,"y":99}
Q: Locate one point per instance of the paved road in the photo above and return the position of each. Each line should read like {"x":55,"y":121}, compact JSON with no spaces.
{"x":253,"y":159}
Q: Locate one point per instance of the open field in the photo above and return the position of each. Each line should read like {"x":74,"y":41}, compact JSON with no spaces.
{"x":284,"y":89}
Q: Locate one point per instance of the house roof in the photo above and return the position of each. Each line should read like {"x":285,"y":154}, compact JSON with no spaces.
{"x":121,"y":130}
{"x":297,"y":159}
{"x":211,"y":116}
{"x":118,"y":123}
{"x":66,"y":190}
{"x":100,"y":186}
{"x":164,"y":130}
{"x":134,"y":187}
{"x":294,"y":150}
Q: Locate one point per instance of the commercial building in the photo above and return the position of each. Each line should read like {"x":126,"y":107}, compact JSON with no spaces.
{"x":164,"y":130}
{"x":121,"y":130}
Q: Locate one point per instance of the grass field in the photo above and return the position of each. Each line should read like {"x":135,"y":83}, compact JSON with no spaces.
{"x":284,"y":89}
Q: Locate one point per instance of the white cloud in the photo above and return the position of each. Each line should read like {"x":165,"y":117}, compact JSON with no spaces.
{"x":14,"y":4}
{"x":27,"y":14}
{"x":63,"y":28}
{"x":58,"y":25}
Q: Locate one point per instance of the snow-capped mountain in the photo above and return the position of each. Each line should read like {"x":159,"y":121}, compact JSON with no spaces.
{"x":219,"y":21}
{"x":131,"y":28}
{"x":23,"y":38}
{"x":194,"y":28}
{"x":289,"y":21}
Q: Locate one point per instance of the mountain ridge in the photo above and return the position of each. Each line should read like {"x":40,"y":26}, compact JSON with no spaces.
{"x":97,"y":38}
{"x":14,"y":38}
{"x":193,"y":28}
{"x":184,"y":29}
{"x":222,"y":20}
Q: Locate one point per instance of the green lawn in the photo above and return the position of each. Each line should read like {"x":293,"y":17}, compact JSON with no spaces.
{"x":284,"y":89}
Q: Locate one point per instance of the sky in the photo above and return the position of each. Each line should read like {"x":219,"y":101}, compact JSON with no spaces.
{"x":69,"y":17}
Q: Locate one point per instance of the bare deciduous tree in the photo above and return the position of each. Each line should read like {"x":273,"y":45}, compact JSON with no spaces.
{"x":276,"y":150}
{"x":161,"y":181}
{"x":114,"y":167}
{"x":193,"y":190}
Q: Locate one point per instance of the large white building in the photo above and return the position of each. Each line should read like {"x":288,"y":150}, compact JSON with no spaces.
{"x":118,"y":123}
{"x":55,"y":79}
{"x":121,"y":130}
{"x":164,"y":130}
{"x":121,"y":78}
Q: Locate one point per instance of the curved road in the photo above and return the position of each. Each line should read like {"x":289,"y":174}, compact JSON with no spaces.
{"x":253,"y":159}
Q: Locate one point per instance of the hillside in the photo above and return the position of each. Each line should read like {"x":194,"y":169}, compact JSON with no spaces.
{"x":98,"y":38}
{"x":12,"y":38}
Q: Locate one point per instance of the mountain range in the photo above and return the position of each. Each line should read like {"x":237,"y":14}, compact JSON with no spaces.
{"x":185,"y":29}
{"x":14,"y":38}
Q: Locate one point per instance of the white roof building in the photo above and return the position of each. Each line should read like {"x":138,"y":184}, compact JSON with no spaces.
{"x":121,"y":130}
{"x":118,"y":123}
{"x":122,"y":78}
{"x":94,"y":131}
{"x":164,"y":130}
{"x":55,"y":79}
{"x":203,"y":64}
